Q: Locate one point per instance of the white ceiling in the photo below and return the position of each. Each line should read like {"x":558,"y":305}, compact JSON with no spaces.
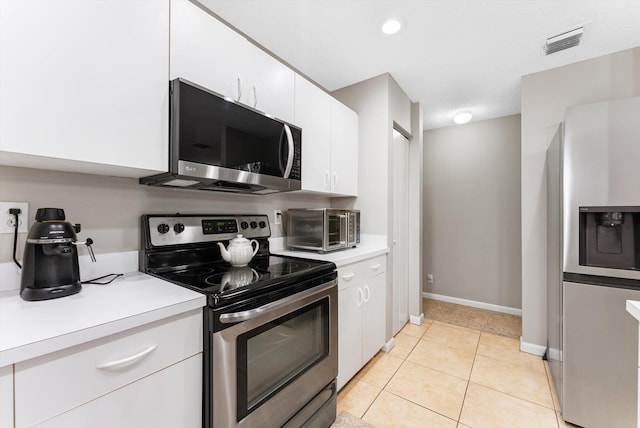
{"x":453,"y":54}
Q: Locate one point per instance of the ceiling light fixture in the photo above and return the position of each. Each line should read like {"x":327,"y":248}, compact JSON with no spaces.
{"x":463,"y":116}
{"x":393,"y":25}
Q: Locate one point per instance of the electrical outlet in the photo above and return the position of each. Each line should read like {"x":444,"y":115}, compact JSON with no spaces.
{"x":430,"y":278}
{"x":277,"y":216}
{"x":7,"y":220}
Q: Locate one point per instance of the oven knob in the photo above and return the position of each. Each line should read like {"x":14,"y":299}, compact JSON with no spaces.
{"x":263,"y":224}
{"x":244,"y":225}
{"x":178,"y":228}
{"x":163,"y":228}
{"x":254,"y":225}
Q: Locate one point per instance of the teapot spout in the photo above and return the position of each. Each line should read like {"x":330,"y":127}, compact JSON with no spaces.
{"x":224,"y":252}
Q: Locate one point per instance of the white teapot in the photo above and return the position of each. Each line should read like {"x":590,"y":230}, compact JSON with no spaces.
{"x":240,"y":251}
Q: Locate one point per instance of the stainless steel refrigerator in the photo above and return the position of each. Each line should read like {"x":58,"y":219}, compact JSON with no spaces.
{"x":593,"y":266}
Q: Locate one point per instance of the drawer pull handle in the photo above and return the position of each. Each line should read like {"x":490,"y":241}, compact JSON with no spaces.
{"x":127,"y":360}
{"x":376,"y":266}
{"x":348,"y":276}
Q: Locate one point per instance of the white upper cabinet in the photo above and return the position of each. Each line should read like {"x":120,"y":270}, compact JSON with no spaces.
{"x":207,"y":52}
{"x":329,"y":141}
{"x":344,"y":149}
{"x":204,"y":50}
{"x":84,"y":85}
{"x":313,"y":115}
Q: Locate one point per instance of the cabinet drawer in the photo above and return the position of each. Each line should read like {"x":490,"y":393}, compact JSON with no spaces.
{"x":6,"y":397}
{"x":171,"y":397}
{"x":375,"y":265}
{"x":349,"y":275}
{"x":52,"y":384}
{"x":355,"y":273}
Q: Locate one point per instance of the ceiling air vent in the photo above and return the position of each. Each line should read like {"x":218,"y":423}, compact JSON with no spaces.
{"x":563,"y":41}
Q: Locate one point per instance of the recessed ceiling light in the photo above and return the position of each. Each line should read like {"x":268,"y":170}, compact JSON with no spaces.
{"x":463,"y":116}
{"x":393,"y":25}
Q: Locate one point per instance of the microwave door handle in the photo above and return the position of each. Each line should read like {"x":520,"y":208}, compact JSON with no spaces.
{"x":287,"y":169}
{"x":344,"y":226}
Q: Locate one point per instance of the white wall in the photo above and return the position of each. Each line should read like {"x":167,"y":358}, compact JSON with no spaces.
{"x":109,"y":208}
{"x":472,"y":211}
{"x":545,"y":97}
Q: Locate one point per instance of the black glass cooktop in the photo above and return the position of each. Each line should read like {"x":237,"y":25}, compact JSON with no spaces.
{"x":220,"y":277}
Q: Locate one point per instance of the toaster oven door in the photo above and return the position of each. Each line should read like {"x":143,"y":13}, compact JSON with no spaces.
{"x":336,"y":230}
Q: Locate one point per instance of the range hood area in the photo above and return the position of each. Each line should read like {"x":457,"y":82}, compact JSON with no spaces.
{"x":220,"y":145}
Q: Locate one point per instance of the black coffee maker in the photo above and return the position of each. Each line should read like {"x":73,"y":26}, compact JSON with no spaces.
{"x":50,"y":264}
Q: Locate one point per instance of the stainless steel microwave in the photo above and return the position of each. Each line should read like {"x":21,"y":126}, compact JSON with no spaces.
{"x":322,"y":229}
{"x":218,"y":144}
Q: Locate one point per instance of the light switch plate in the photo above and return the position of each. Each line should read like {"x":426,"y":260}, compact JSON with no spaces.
{"x":7,"y":221}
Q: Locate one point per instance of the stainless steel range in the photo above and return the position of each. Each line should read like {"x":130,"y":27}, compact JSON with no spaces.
{"x":270,"y":328}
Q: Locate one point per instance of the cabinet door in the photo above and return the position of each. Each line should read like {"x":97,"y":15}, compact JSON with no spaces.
{"x":344,"y":150}
{"x":6,"y":397}
{"x":313,"y":115}
{"x":171,"y":397}
{"x":209,"y":53}
{"x":374,"y":316}
{"x":204,"y":50}
{"x":84,"y":81}
{"x":267,"y":84}
{"x":350,"y":305}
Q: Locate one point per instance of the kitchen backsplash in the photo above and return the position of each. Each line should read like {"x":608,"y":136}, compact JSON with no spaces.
{"x":109,"y":208}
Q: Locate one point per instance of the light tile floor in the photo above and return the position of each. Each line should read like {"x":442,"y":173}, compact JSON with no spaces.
{"x":444,"y":375}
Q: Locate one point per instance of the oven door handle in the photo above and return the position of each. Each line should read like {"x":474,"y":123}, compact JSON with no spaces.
{"x":254,"y":313}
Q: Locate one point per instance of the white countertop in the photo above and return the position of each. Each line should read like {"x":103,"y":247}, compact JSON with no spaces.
{"x":633,"y":307}
{"x":31,"y":329}
{"x":372,"y":246}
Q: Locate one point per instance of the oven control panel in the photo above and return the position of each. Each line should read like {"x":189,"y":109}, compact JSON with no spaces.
{"x":182,"y":229}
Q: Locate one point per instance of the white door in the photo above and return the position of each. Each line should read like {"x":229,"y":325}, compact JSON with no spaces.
{"x":400,"y":286}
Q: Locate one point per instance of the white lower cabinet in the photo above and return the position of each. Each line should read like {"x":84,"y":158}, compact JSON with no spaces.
{"x":361,"y":315}
{"x":84,"y":85}
{"x":147,"y":376}
{"x":6,"y":397}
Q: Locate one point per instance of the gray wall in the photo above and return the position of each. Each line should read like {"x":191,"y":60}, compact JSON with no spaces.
{"x":109,"y":208}
{"x":472,"y":211}
{"x":545,"y":97}
{"x":381,"y":104}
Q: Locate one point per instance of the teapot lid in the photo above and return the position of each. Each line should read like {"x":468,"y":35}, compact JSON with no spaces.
{"x":239,"y":238}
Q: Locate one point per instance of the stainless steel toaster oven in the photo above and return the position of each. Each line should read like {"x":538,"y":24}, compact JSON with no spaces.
{"x":322,"y":229}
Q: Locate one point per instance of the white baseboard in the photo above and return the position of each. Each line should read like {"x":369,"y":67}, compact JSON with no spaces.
{"x":532,"y":348}
{"x":417,"y":320}
{"x":474,"y":304}
{"x":389,"y":345}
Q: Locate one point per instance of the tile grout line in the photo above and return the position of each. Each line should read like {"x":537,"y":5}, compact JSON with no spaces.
{"x":464,"y":398}
{"x":404,"y":359}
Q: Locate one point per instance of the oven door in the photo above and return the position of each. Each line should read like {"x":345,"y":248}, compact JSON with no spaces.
{"x":274,"y":359}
